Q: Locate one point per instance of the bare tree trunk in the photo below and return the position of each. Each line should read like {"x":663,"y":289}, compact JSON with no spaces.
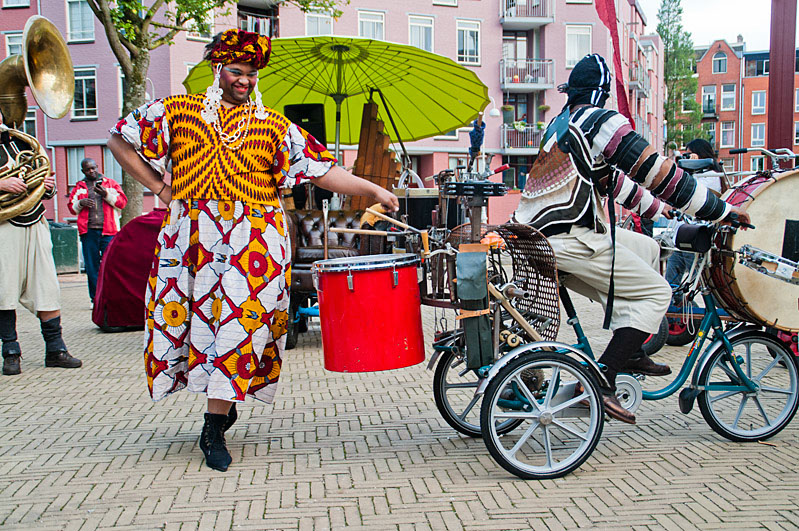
{"x":134,"y":98}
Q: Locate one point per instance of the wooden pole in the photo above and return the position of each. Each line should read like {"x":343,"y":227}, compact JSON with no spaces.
{"x":782,"y":64}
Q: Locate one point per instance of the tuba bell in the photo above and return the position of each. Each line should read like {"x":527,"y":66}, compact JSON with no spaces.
{"x":46,"y":67}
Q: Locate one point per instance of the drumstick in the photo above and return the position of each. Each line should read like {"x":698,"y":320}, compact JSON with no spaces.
{"x":392,"y":220}
{"x":367,"y":232}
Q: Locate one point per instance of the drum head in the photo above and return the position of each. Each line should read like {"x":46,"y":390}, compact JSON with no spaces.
{"x":368,"y":262}
{"x":775,"y":215}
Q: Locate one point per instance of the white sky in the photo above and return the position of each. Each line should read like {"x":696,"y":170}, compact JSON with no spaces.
{"x":708,"y":20}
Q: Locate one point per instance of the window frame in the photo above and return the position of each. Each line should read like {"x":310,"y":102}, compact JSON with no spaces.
{"x":381,"y":23}
{"x":728,"y":163}
{"x":590,"y":42}
{"x":721,"y":135}
{"x":719,"y":57}
{"x":8,"y":36}
{"x":197,"y":36}
{"x":759,"y":92}
{"x":796,"y":100}
{"x":758,"y":160}
{"x":448,"y":3}
{"x":462,"y":25}
{"x":30,"y":116}
{"x":93,"y":70}
{"x":6,"y":5}
{"x":70,"y":38}
{"x":734,"y":97}
{"x":796,"y":133}
{"x":761,"y":142}
{"x":74,"y":177}
{"x":715,"y":107}
{"x":708,"y":127}
{"x":432,"y":27}
{"x":318,"y":15}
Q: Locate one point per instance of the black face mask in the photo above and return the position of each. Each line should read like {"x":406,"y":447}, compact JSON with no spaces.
{"x":589,"y":82}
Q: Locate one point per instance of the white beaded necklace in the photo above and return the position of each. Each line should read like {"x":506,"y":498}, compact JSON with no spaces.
{"x":228,"y":139}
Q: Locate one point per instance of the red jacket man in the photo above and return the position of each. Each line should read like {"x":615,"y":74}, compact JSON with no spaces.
{"x":97,"y":201}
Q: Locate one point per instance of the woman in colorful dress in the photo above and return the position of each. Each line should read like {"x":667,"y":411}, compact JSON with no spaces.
{"x":218,"y":289}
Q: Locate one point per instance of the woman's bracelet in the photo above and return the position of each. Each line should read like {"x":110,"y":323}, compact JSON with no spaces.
{"x":161,"y":190}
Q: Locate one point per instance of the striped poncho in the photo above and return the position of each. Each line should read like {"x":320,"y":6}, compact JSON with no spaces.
{"x":564,"y":185}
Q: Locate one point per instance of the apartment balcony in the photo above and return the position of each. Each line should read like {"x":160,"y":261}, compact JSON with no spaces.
{"x":526,"y":75}
{"x":523,"y":15}
{"x":709,"y":111}
{"x":639,"y":80}
{"x":260,"y":24}
{"x":522,"y":140}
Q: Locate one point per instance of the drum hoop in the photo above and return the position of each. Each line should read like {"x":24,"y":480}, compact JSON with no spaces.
{"x":366,"y":263}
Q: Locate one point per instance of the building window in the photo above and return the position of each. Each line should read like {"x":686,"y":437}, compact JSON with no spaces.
{"x":468,"y":42}
{"x":578,"y":43}
{"x":759,"y":102}
{"x":687,"y":98}
{"x":449,"y":135}
{"x":453,"y":3}
{"x":758,"y":135}
{"x":720,"y":63}
{"x":727,"y":134}
{"x":85,"y":104}
{"x":756,"y":67}
{"x":80,"y":21}
{"x":728,"y":97}
{"x":371,"y":24}
{"x":16,"y":3}
{"x":758,"y":163}
{"x":796,"y":101}
{"x":728,"y":163}
{"x":111,"y":167}
{"x":74,"y":156}
{"x":796,"y":133}
{"x":13,"y":44}
{"x":420,"y":32}
{"x":318,"y":24}
{"x":195,"y":33}
{"x":709,"y":99}
{"x":29,"y":125}
{"x":121,"y":90}
{"x":710,"y":129}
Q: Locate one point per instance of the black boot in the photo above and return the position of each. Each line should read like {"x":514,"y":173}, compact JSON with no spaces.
{"x":11,"y":356}
{"x":61,"y":358}
{"x":8,"y":335}
{"x":212,"y":442}
{"x":232,"y":415}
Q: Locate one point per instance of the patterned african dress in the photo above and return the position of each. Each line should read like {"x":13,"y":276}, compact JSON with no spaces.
{"x":218,"y":289}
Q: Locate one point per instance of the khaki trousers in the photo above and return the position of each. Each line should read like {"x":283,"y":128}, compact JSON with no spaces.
{"x":27,"y":268}
{"x":641,"y":296}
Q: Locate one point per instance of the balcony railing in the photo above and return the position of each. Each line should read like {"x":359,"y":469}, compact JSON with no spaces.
{"x":639,"y":79}
{"x":526,"y":74}
{"x":524,"y":137}
{"x":709,"y":109}
{"x":526,"y":8}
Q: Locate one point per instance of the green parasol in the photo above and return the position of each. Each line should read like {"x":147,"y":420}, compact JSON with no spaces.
{"x":426,"y":94}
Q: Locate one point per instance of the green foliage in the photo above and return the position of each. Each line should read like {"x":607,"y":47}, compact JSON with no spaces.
{"x":683,"y":117}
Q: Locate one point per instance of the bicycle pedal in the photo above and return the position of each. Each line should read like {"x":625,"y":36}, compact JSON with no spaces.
{"x":687,"y":398}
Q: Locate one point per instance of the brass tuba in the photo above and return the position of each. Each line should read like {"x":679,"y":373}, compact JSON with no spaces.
{"x":46,"y":67}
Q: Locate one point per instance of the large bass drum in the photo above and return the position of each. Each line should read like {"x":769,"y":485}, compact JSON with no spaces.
{"x":771,"y":202}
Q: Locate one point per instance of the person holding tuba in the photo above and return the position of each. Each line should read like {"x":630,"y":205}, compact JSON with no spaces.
{"x":28,"y":271}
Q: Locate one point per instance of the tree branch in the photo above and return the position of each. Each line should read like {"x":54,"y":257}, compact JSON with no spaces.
{"x":119,"y":45}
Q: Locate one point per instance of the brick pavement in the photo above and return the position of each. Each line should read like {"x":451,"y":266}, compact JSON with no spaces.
{"x":87,"y":449}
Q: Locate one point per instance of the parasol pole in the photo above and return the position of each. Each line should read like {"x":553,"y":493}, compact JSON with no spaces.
{"x":339,"y":97}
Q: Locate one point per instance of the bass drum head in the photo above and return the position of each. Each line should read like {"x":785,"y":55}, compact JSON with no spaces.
{"x":775,"y":215}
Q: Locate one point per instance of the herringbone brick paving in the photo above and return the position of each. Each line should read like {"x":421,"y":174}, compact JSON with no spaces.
{"x":87,"y":449}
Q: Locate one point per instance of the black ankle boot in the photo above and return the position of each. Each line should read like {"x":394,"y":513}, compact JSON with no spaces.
{"x":232,"y":415}
{"x":61,"y":358}
{"x":212,"y":442}
{"x":11,"y":356}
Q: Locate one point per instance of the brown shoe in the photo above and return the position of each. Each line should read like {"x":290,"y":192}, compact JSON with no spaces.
{"x":615,"y":410}
{"x":645,"y":365}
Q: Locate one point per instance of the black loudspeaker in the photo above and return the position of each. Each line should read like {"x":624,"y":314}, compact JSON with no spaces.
{"x":309,"y":116}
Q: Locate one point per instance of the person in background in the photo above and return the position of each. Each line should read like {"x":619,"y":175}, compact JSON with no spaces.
{"x":28,"y":275}
{"x":97,"y":201}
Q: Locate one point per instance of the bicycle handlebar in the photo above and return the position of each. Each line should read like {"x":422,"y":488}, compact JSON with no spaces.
{"x":779,"y":153}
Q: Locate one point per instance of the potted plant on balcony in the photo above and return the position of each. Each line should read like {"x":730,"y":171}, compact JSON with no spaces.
{"x":508,"y":114}
{"x":543,"y":110}
{"x":540,"y":125}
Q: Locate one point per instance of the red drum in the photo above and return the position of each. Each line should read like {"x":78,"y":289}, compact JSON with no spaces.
{"x":371,"y":312}
{"x":771,"y":201}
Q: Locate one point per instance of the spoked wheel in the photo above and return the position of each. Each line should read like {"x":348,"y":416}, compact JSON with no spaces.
{"x":560,"y":423}
{"x":454,"y":389}
{"x":682,"y":331}
{"x":743,"y":416}
{"x":656,"y":341}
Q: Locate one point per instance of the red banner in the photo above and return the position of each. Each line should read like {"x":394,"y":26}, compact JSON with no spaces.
{"x":606,"y":9}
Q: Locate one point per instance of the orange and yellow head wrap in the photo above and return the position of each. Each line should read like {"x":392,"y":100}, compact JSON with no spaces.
{"x":239,"y":46}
